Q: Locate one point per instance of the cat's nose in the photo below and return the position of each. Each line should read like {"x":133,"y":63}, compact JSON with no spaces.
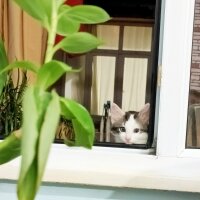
{"x":127,"y":139}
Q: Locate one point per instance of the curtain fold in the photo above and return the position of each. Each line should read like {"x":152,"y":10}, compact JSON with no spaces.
{"x":102,"y":90}
{"x":134,"y":85}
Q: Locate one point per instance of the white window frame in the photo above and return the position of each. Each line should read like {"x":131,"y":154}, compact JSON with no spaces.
{"x":172,"y":167}
{"x":176,"y":63}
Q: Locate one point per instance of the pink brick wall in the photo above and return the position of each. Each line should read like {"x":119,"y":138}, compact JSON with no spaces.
{"x":195,"y":66}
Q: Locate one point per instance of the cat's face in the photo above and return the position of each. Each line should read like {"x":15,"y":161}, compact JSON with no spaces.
{"x":131,"y":130}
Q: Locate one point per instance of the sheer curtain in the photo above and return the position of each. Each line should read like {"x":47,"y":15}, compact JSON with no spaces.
{"x":134,"y":85}
{"x":24,"y":37}
{"x":74,"y":82}
{"x":135,"y":69}
{"x":102,"y":83}
{"x":103,"y":69}
{"x":137,"y":38}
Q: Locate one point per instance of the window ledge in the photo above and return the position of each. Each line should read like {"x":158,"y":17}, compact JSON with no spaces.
{"x":116,"y":168}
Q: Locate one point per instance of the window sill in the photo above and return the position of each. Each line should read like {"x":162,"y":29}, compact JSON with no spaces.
{"x":116,"y":168}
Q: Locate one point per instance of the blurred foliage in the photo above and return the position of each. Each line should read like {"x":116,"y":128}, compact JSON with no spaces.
{"x":11,"y":103}
{"x":42,"y":108}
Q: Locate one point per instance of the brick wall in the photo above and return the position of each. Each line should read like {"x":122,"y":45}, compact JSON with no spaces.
{"x":195,"y":66}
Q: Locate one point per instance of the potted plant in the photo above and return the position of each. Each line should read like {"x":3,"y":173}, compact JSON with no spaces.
{"x":11,"y":103}
{"x":42,"y":106}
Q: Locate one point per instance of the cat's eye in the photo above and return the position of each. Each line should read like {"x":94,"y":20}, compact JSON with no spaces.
{"x":122,"y":129}
{"x":136,"y":130}
{"x":118,"y":129}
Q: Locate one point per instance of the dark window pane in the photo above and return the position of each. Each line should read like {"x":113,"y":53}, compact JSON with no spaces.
{"x":193,"y":123}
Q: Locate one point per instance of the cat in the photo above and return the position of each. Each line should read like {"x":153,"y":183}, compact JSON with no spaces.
{"x":130,"y":127}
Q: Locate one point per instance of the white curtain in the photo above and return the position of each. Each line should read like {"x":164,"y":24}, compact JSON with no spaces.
{"x":109,"y":35}
{"x":134,"y":85}
{"x":137,"y":38}
{"x":74,"y":82}
{"x":135,"y":69}
{"x":103,"y":73}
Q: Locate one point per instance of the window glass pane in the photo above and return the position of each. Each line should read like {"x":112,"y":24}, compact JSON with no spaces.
{"x":193,"y":123}
{"x":103,"y":73}
{"x":137,"y":38}
{"x":74,"y":82}
{"x":109,"y":35}
{"x":134,"y":85}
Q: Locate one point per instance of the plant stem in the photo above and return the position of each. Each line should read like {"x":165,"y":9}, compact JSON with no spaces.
{"x":51,"y":33}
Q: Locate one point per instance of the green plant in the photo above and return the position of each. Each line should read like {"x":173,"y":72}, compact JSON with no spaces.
{"x":11,"y":103}
{"x":42,"y":108}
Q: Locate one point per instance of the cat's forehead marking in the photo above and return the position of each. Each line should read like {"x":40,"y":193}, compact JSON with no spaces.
{"x":129,"y":113}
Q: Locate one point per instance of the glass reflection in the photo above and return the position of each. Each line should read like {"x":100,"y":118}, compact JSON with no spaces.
{"x":193,"y":122}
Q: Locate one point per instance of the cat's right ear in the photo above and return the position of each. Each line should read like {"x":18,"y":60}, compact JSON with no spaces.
{"x":117,"y":115}
{"x":143,"y":115}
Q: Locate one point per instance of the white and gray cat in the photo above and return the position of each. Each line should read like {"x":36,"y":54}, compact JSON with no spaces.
{"x":130,"y":127}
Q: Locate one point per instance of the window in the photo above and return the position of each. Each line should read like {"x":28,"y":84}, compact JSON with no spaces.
{"x":193,"y":122}
{"x":125,"y":59}
{"x":122,"y":71}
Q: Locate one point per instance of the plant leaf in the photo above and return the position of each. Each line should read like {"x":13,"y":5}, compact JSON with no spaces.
{"x":26,"y":65}
{"x":50,"y":72}
{"x":63,"y":8}
{"x":3,"y":55}
{"x":60,"y":2}
{"x":30,"y":134}
{"x":87,"y":14}
{"x":35,"y":104}
{"x":3,"y":64}
{"x":10,"y":147}
{"x":21,"y":88}
{"x":81,"y":120}
{"x":79,"y":43}
{"x":47,"y":134}
{"x":66,"y":25}
{"x":28,"y":189}
{"x":38,"y":9}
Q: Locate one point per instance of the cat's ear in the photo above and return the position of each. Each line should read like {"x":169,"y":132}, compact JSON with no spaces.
{"x":117,"y":115}
{"x":143,"y":115}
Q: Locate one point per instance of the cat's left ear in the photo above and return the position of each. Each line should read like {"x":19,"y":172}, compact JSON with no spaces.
{"x":117,"y":115}
{"x":143,"y":115}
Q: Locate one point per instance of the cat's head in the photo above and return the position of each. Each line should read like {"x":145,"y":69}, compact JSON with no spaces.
{"x":130,"y":127}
